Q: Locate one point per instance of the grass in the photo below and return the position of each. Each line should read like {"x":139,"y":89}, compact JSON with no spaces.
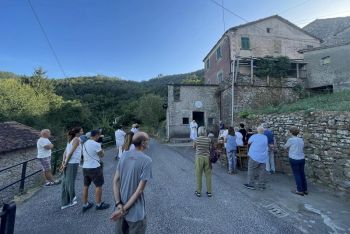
{"x":339,"y":101}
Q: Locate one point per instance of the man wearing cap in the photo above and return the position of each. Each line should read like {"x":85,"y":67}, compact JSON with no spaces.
{"x":93,"y":171}
{"x":133,"y":171}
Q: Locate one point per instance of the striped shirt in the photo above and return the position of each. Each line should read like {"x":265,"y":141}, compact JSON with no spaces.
{"x":203,"y":146}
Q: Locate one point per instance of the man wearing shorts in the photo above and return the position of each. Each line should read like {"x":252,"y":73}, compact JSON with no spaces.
{"x":93,"y":171}
{"x":44,"y":147}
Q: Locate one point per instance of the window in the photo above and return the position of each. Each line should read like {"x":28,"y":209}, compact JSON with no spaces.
{"x":277,"y":46}
{"x":268,"y":30}
{"x":176,"y":93}
{"x":185,"y":121}
{"x":245,"y":43}
{"x":325,"y":60}
{"x":218,"y":53}
{"x":210,"y":121}
{"x":219,"y":77}
{"x":207,"y":64}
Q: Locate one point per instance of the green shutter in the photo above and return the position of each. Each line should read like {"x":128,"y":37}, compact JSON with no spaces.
{"x":245,"y":43}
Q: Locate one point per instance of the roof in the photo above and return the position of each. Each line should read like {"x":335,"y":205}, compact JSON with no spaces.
{"x":324,"y":47}
{"x":14,"y":136}
{"x":331,"y":31}
{"x":258,"y":21}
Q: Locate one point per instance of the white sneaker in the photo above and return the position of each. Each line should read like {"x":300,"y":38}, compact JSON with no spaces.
{"x":74,"y":199}
{"x":66,"y":206}
{"x":73,"y":203}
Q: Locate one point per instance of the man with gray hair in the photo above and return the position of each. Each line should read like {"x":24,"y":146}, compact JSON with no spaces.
{"x":257,"y":153}
{"x":270,"y":163}
{"x":44,"y":147}
{"x":133,"y":171}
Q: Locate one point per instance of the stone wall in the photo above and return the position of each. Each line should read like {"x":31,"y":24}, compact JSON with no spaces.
{"x":9,"y":176}
{"x":327,"y":144}
{"x":335,"y":73}
{"x":207,"y":99}
{"x":261,"y":93}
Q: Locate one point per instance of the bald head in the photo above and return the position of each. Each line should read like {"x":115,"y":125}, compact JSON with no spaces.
{"x":45,"y":133}
{"x":139,"y":138}
{"x":260,"y":130}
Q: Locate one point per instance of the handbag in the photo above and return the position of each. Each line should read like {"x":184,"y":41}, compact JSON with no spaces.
{"x":214,"y":155}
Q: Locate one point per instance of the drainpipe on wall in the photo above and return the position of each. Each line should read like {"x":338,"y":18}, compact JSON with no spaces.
{"x":233,"y":88}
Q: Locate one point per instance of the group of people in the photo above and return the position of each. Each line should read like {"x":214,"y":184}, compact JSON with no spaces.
{"x":134,"y":169}
{"x":261,"y":147}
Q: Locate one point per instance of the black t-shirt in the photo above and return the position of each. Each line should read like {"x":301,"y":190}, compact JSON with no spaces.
{"x":244,"y":133}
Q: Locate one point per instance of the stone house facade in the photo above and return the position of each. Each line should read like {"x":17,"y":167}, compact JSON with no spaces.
{"x":328,"y":67}
{"x":242,"y":45}
{"x":18,"y":144}
{"x":188,"y":102}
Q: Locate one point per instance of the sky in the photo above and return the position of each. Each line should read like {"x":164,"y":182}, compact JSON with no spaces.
{"x":132,"y":39}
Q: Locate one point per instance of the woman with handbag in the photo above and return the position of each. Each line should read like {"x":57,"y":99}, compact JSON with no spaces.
{"x":202,"y":145}
{"x":69,"y":167}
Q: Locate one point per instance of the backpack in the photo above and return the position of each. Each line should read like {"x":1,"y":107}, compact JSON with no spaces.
{"x":214,"y":155}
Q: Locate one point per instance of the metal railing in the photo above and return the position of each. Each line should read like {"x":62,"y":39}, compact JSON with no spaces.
{"x":57,"y":159}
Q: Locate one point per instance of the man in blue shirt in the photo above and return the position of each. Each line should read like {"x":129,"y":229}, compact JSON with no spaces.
{"x":258,"y":155}
{"x":270,"y":164}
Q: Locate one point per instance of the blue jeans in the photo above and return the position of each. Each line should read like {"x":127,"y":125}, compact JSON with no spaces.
{"x":299,"y":174}
{"x":232,"y":161}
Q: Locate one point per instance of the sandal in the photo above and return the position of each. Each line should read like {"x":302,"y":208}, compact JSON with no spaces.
{"x":198,"y":194}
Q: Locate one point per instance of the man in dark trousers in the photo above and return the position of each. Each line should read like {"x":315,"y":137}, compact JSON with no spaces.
{"x":133,"y":171}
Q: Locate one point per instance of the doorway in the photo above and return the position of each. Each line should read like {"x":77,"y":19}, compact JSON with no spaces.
{"x":198,"y":117}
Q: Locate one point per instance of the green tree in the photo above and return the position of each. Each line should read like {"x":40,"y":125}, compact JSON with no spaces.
{"x":150,"y":110}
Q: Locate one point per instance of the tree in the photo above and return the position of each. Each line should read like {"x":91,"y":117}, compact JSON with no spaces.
{"x":150,"y":110}
{"x":193,"y":79}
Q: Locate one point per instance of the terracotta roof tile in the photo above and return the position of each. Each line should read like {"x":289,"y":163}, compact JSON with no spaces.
{"x":14,"y":135}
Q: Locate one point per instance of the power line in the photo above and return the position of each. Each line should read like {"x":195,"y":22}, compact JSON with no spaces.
{"x":223,"y":16}
{"x":47,"y":39}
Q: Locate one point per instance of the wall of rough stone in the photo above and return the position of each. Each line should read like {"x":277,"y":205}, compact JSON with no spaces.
{"x":9,"y":176}
{"x":259,"y":93}
{"x":327,"y":144}
{"x":189,"y":94}
{"x":336,"y":73}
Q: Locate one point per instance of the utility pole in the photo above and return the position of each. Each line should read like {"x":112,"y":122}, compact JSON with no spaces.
{"x":233,"y":88}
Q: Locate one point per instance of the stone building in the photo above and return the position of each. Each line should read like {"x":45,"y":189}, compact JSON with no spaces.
{"x":332,"y":31}
{"x":188,"y":102}
{"x":235,"y":57}
{"x":328,"y":67}
{"x":240,"y":47}
{"x":18,"y":144}
{"x":233,"y":60}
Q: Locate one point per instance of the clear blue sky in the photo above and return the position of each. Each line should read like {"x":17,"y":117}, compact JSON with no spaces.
{"x":132,"y":39}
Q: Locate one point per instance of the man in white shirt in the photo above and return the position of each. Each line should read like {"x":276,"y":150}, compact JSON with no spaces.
{"x":239,"y":137}
{"x":135,"y":128}
{"x":93,"y":171}
{"x":44,"y":147}
{"x":119,"y":141}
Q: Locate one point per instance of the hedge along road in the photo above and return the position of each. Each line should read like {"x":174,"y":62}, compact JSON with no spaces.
{"x":171,"y":204}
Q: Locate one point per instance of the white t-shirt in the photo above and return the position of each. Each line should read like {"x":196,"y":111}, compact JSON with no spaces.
{"x":76,"y":154}
{"x":134,"y":130}
{"x":239,"y":138}
{"x":90,"y":150}
{"x":119,"y":137}
{"x":42,"y":152}
{"x":132,"y":147}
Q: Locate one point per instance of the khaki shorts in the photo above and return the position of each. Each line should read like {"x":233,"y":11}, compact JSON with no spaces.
{"x":45,"y":163}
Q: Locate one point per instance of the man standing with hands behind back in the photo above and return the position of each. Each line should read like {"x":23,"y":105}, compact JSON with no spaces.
{"x":133,"y":171}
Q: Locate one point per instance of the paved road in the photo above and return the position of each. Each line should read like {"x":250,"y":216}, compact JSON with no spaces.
{"x":171,"y":204}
